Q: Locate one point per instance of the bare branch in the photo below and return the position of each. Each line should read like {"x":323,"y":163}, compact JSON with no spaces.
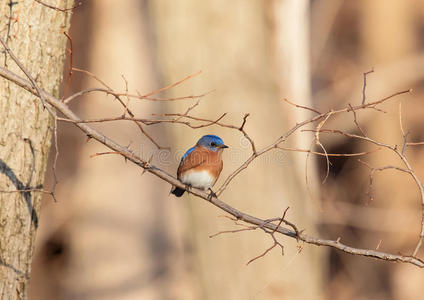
{"x":355,"y":119}
{"x":71,"y":52}
{"x":300,"y":106}
{"x":408,"y":170}
{"x":364,"y":86}
{"x":329,"y":154}
{"x":265,"y":225}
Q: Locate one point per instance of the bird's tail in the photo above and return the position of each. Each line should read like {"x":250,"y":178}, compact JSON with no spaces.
{"x":178,"y":192}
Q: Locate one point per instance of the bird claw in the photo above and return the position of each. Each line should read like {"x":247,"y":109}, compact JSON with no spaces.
{"x":211,"y":194}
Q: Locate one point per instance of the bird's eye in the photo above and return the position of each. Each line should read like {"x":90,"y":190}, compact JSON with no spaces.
{"x":213,"y":144}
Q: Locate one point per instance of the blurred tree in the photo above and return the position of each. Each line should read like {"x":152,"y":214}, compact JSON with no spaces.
{"x":123,"y":240}
{"x":33,"y":32}
{"x":253,"y":53}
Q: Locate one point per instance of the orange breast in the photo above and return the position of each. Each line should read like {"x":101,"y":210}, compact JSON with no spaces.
{"x":201,"y":159}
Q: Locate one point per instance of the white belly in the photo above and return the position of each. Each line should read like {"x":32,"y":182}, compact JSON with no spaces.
{"x":200,"y":180}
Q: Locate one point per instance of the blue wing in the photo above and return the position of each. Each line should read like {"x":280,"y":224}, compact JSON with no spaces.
{"x":187,"y":153}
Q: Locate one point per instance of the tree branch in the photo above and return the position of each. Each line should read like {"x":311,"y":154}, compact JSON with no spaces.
{"x":239,"y":215}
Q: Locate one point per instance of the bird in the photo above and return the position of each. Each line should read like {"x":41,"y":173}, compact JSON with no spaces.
{"x":201,"y":165}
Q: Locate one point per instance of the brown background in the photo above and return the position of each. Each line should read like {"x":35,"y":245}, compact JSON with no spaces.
{"x":117,"y":234}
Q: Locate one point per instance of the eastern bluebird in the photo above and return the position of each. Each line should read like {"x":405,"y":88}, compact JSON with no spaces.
{"x":201,"y":165}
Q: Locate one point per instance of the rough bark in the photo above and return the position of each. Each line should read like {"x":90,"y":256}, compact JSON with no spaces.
{"x":34,"y":34}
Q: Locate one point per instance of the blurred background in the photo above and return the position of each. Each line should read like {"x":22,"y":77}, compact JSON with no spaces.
{"x":117,"y":234}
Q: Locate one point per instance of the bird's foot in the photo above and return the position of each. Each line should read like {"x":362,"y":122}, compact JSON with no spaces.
{"x":188,"y":187}
{"x":211,"y":194}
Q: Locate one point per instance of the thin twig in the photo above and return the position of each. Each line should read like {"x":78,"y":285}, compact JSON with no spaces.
{"x":71,"y":52}
{"x":355,"y":120}
{"x":364,"y":86}
{"x":30,"y":78}
{"x":57,"y":8}
{"x":301,"y":106}
{"x":172,"y":85}
{"x":329,"y":154}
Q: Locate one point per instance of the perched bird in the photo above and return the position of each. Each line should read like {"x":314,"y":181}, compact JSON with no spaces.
{"x":201,"y":165}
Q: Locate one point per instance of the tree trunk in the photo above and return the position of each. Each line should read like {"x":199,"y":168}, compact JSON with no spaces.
{"x":34,"y":33}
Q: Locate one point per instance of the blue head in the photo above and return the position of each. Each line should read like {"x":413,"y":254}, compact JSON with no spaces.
{"x":211,"y":142}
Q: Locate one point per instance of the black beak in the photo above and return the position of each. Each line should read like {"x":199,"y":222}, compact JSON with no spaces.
{"x":223,"y":146}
